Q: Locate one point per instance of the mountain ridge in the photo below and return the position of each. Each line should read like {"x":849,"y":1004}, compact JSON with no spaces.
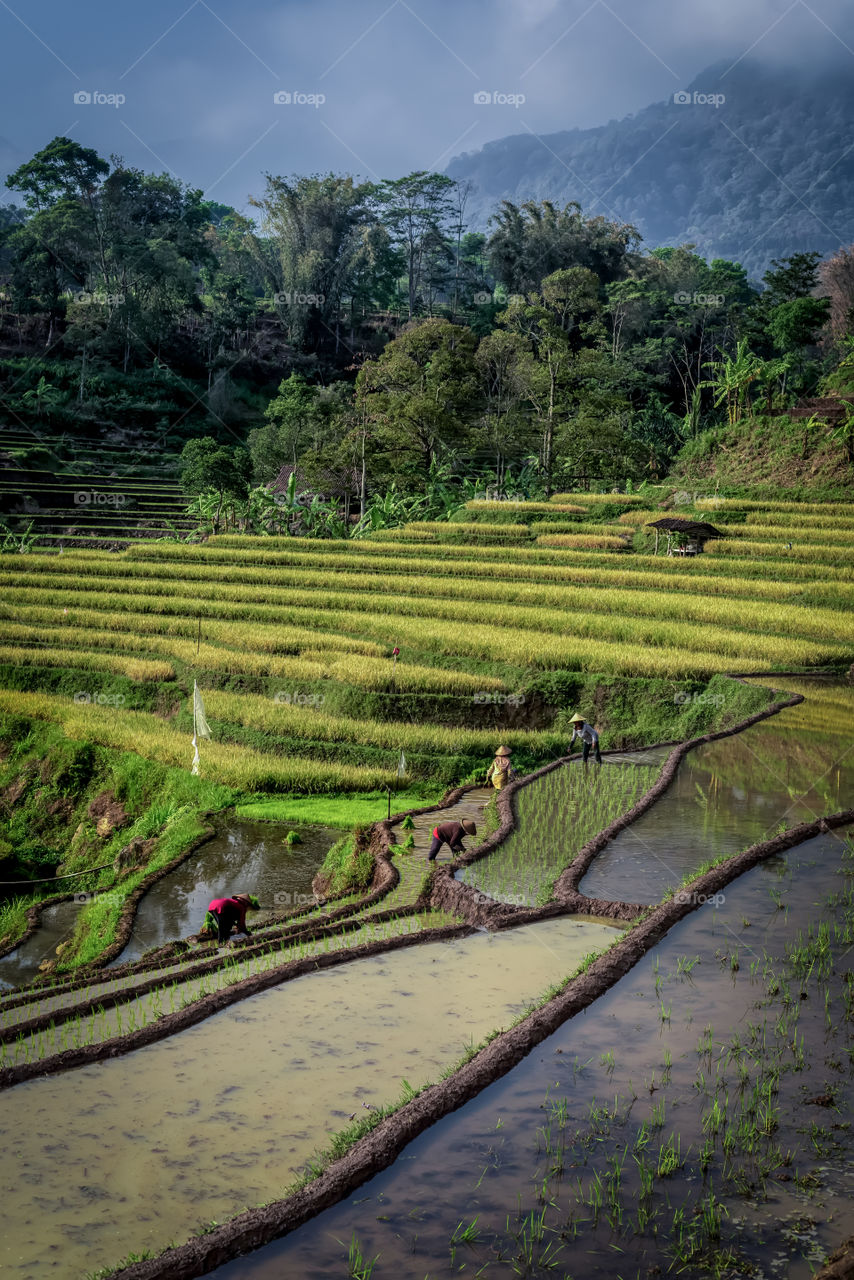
{"x":765,"y":173}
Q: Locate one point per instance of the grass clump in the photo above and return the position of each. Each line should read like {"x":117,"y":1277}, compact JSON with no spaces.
{"x":348,"y":866}
{"x":354,"y":809}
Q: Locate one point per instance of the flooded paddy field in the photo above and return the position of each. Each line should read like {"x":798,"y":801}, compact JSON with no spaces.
{"x":250,"y":857}
{"x":697,"y":1118}
{"x":617,"y":1134}
{"x":556,"y":815}
{"x":735,"y":792}
{"x":20,"y":966}
{"x":224,"y":1115}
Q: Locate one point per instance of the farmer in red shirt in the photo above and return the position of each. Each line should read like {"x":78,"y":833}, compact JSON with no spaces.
{"x":451,"y":834}
{"x":224,"y":913}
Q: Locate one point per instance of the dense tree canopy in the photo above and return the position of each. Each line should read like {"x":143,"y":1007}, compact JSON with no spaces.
{"x":363,"y":335}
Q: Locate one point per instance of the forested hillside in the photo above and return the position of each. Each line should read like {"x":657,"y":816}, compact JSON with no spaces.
{"x":759,"y":176}
{"x":364,"y":352}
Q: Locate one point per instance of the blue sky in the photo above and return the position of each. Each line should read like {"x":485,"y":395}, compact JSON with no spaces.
{"x":377,"y":87}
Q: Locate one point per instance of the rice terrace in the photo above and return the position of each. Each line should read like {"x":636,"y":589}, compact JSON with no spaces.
{"x":427,"y":649}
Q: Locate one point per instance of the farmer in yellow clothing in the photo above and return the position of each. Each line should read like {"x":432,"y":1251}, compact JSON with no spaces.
{"x":500,"y":772}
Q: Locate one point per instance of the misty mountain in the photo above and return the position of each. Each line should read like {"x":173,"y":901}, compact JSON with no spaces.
{"x":765,"y":172}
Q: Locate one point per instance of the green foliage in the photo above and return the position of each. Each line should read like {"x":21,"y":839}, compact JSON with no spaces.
{"x":207,"y":465}
{"x":345,"y":868}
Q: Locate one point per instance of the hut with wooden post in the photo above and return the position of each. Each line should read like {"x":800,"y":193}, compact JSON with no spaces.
{"x":684,"y":537}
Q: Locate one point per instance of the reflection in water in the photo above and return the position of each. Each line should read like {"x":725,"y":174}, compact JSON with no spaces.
{"x":135,"y":1152}
{"x":249,"y":857}
{"x":21,"y":965}
{"x":491,"y":1160}
{"x":735,"y":792}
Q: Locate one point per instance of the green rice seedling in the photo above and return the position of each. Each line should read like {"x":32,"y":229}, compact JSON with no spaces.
{"x":669,"y":1157}
{"x":557,"y":815}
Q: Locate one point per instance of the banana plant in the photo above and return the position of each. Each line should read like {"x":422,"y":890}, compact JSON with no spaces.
{"x":731,"y":382}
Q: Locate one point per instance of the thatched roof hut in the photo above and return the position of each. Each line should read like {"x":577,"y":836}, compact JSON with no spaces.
{"x":698,"y":531}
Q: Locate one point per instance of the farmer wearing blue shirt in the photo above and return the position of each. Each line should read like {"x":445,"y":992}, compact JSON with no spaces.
{"x":588,"y":735}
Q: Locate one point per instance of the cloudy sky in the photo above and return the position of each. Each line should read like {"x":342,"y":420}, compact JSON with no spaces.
{"x":219,"y":91}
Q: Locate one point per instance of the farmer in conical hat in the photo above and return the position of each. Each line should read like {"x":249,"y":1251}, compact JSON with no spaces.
{"x":224,"y":913}
{"x":588,"y":735}
{"x":451,"y":834}
{"x":500,"y":772}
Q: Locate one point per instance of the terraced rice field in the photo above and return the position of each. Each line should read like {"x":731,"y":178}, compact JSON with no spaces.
{"x":292,"y":643}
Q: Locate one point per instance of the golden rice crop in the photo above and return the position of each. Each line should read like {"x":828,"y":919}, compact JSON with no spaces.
{"x":684,"y":576}
{"x":523,"y":556}
{"x":791,"y":533}
{"x":756,"y":504}
{"x":477,"y":532}
{"x":640,"y":517}
{"x":591,"y":499}
{"x":805,"y":521}
{"x":109,"y":610}
{"x":529,"y":508}
{"x":517,"y":635}
{"x":378,"y":673}
{"x":156,"y":739}
{"x":204,"y":656}
{"x":581,"y":542}
{"x":316,"y":725}
{"x":817,"y":554}
{"x":607,"y":613}
{"x":403,"y":533}
{"x":136,"y":669}
{"x":575,"y":527}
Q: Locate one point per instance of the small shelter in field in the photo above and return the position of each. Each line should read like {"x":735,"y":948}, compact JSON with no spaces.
{"x":691,"y":535}
{"x":341,"y":485}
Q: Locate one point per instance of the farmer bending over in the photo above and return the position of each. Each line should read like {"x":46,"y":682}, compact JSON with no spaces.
{"x":451,"y":834}
{"x":224,"y":913}
{"x":588,"y":735}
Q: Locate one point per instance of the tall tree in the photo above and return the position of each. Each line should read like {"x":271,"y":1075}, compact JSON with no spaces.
{"x":314,"y":249}
{"x":420,"y":394}
{"x":532,"y":241}
{"x":418,"y":211}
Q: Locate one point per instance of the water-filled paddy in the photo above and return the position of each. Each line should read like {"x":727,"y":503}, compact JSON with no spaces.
{"x":200,"y":1125}
{"x":249,"y":857}
{"x":556,"y":816}
{"x":56,"y":924}
{"x":719,"y":1070}
{"x":731,"y":793}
